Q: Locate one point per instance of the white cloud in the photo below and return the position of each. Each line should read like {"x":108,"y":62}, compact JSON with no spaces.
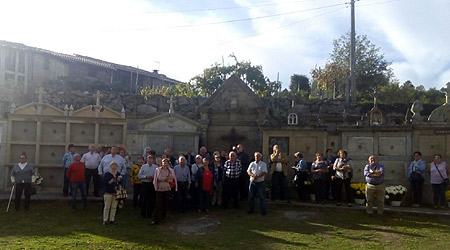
{"x":412,"y":34}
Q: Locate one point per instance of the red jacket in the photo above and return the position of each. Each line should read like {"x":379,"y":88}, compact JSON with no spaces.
{"x":75,"y":172}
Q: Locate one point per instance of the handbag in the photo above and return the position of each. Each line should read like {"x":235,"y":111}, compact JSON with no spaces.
{"x":33,"y":190}
{"x":121,"y":193}
{"x":172,"y":183}
{"x":414,"y":176}
{"x":445,"y":180}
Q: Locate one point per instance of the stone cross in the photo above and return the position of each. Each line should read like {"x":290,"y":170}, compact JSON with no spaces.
{"x":97,"y":96}
{"x":41,"y":95}
{"x":171,"y":101}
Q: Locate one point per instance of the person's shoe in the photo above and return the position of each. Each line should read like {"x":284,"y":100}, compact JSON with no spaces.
{"x":435,"y":207}
{"x":104,"y":223}
{"x":112,"y":223}
{"x":349,"y":204}
{"x":415,"y":205}
{"x":338,"y":204}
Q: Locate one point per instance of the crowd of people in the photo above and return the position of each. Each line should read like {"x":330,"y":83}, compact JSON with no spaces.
{"x":201,"y":182}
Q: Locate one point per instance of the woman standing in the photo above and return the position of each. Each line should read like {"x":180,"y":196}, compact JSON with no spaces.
{"x":218,"y":176}
{"x":319,"y":169}
{"x":301,"y":171}
{"x":163,"y":176}
{"x":204,"y":182}
{"x":343,"y":177}
{"x":438,"y":171}
{"x":416,"y":173}
{"x":137,"y":183}
{"x":111,"y":179}
{"x":22,"y":177}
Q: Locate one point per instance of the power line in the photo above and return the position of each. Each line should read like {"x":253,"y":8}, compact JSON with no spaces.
{"x":238,"y":20}
{"x":283,"y":26}
{"x":377,"y":3}
{"x":227,"y":8}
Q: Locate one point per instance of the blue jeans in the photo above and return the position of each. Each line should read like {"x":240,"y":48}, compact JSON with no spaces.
{"x":280,"y":180}
{"x":75,"y":186}
{"x":254,"y":189}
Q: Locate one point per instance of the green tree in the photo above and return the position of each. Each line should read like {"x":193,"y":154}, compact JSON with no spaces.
{"x":372,"y":70}
{"x":300,"y":86}
{"x":214,"y":76}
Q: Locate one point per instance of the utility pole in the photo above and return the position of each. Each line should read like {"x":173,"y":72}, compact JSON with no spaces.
{"x":352,"y":54}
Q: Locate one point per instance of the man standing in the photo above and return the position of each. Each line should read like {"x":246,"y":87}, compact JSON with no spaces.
{"x":76,"y":176}
{"x":66,"y":161}
{"x":232,"y":172}
{"x":172,"y":159}
{"x":146,"y":174}
{"x":190,"y":159}
{"x":374,"y":173}
{"x":103,"y":167}
{"x":91,"y":161}
{"x":257,"y":170}
{"x":183,"y":175}
{"x":245,"y":160}
{"x":279,"y":174}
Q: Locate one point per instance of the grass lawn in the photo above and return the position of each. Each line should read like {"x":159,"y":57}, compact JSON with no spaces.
{"x":52,"y":225}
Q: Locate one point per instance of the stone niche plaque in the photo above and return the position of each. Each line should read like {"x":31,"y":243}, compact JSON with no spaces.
{"x":53,"y":132}
{"x":23,"y":131}
{"x":282,"y":142}
{"x":17,"y":150}
{"x":432,"y":144}
{"x":82,"y":133}
{"x":360,"y":146}
{"x":52,"y":154}
{"x":307,"y":146}
{"x":135,"y":143}
{"x":111,"y":134}
{"x":182,"y":142}
{"x":52,"y":177}
{"x":392,"y":146}
{"x":160,"y":142}
{"x":394,"y":172}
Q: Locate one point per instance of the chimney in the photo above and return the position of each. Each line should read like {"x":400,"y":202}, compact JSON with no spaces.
{"x":155,"y":71}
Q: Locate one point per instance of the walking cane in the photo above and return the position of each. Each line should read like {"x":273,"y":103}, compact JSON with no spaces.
{"x":10,"y":197}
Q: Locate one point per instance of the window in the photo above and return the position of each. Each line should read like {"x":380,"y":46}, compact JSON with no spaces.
{"x":292,"y":119}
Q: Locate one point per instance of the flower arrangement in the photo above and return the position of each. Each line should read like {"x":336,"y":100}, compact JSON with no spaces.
{"x":359,"y":190}
{"x":395,"y":193}
{"x":447,"y":195}
{"x":309,"y":187}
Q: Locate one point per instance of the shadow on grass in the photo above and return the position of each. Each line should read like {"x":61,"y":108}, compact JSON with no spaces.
{"x":56,"y":225}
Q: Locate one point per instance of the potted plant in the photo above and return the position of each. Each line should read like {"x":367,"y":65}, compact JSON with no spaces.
{"x":310,"y":189}
{"x":447,"y":197}
{"x":395,"y":194}
{"x":359,"y":192}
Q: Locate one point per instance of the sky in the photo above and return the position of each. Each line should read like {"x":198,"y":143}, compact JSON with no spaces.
{"x":180,"y":38}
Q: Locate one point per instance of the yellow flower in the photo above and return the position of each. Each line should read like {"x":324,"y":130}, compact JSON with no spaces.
{"x":358,"y":192}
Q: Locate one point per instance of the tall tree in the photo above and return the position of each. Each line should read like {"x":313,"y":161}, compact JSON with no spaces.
{"x":300,"y":86}
{"x":214,"y":76}
{"x":372,"y":70}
